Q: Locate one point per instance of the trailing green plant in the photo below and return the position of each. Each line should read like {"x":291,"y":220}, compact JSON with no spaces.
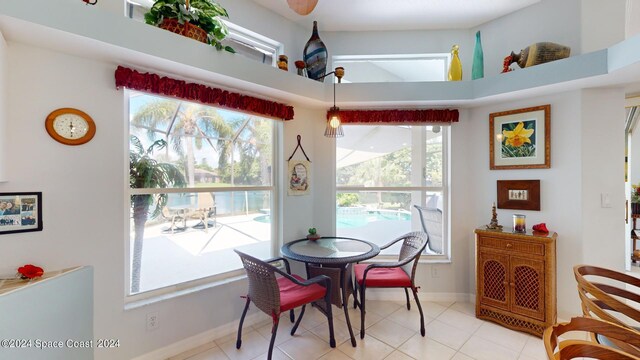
{"x":205,"y":14}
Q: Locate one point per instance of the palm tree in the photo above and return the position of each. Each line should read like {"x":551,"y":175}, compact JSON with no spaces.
{"x":146,"y":173}
{"x":191,"y":122}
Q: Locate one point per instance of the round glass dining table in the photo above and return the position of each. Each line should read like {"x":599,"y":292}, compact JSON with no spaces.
{"x":333,"y":257}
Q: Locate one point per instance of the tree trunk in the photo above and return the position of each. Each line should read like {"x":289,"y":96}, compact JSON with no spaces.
{"x":140,"y":215}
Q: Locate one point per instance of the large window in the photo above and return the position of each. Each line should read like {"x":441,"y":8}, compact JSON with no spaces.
{"x":201,"y":185}
{"x":382,"y":172}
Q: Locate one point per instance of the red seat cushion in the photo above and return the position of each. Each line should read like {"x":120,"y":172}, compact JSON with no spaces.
{"x":293,"y":295}
{"x":382,"y":277}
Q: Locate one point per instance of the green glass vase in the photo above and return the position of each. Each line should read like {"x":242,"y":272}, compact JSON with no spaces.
{"x":477,"y":69}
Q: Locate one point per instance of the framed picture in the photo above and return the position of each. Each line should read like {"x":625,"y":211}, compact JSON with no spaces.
{"x":520,"y":139}
{"x":299,"y":177}
{"x":519,"y":194}
{"x":20,"y":212}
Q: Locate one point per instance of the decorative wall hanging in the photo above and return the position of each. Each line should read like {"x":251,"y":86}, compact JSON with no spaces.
{"x":299,"y":173}
{"x":155,"y":84}
{"x":315,"y":55}
{"x":70,"y":126}
{"x":520,"y":139}
{"x":519,"y":194}
{"x":20,"y":212}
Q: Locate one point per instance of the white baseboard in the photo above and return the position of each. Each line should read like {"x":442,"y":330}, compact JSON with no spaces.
{"x":255,"y":317}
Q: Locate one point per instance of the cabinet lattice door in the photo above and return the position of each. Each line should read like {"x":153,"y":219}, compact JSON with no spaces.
{"x":516,"y":279}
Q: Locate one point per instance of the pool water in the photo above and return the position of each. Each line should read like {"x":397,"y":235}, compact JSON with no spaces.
{"x":346,"y":221}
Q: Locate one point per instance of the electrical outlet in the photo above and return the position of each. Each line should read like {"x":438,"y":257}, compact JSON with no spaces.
{"x":152,"y":321}
{"x":434,"y":272}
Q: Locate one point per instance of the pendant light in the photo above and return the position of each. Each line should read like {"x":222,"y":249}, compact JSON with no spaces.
{"x":334,"y":125}
{"x":302,"y":7}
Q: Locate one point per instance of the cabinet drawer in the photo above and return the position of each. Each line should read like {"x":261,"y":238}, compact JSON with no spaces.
{"x":512,"y":245}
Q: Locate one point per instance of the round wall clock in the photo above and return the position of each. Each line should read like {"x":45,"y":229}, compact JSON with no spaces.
{"x":70,"y":126}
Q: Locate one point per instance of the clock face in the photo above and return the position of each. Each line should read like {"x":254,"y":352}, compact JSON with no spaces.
{"x":70,"y":126}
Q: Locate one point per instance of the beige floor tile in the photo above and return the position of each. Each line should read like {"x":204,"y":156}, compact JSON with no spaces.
{"x":335,"y":354}
{"x":534,"y":348}
{"x":212,"y":354}
{"x":464,"y":307}
{"x":398,"y":355}
{"x":189,"y":353}
{"x":370,"y":318}
{"x":525,"y":357}
{"x":314,"y":317}
{"x":253,"y":344}
{"x":383,"y":308}
{"x":461,"y":356}
{"x":420,"y":348}
{"x":277,"y":355}
{"x":368,"y":348}
{"x":390,"y":333}
{"x":340,"y":331}
{"x":447,"y":334}
{"x":500,"y":335}
{"x":433,"y":309}
{"x":307,"y":346}
{"x":409,"y":318}
{"x":284,"y":331}
{"x":460,"y":320}
{"x":481,"y":349}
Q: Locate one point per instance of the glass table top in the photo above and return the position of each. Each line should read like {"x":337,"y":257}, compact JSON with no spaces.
{"x":330,"y":249}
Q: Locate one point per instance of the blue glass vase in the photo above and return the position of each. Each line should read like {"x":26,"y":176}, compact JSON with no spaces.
{"x":477,"y":69}
{"x":315,"y":56}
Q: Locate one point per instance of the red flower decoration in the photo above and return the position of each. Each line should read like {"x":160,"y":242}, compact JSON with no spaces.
{"x":542,"y":227}
{"x":30,"y":271}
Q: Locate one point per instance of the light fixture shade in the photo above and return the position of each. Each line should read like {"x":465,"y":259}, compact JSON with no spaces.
{"x":302,"y":7}
{"x":332,"y":132}
{"x":334,"y":125}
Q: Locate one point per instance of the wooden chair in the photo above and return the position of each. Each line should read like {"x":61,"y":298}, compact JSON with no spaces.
{"x":400,"y":274}
{"x":605,"y":295}
{"x":275,"y":295}
{"x":569,"y":349}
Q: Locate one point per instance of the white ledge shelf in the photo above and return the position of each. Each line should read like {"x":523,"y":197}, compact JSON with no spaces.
{"x":90,"y":32}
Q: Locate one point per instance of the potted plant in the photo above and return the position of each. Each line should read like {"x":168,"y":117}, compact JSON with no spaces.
{"x":313,"y":234}
{"x":197,"y":19}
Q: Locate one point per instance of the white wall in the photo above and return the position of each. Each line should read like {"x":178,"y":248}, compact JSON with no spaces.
{"x":632,"y":23}
{"x":602,"y":23}
{"x":3,"y":107}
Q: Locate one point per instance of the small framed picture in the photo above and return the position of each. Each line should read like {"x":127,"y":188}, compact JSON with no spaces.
{"x":519,"y":194}
{"x":299,"y":177}
{"x":520,"y":139}
{"x":20,"y":212}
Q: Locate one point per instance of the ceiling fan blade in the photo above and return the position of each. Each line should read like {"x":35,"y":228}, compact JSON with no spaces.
{"x":302,"y":7}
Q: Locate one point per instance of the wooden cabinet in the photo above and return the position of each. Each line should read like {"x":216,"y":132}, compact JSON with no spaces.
{"x":516,"y":279}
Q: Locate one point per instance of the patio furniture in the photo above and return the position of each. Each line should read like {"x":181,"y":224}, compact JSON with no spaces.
{"x":558,"y":346}
{"x":431,"y":220}
{"x":400,"y":274}
{"x":174,"y":216}
{"x":332,"y":256}
{"x":609,"y":295}
{"x":275,"y":295}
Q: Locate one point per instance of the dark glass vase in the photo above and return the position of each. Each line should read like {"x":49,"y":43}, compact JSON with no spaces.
{"x":315,"y":55}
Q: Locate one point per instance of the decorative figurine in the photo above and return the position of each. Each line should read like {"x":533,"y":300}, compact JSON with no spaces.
{"x":493,"y":224}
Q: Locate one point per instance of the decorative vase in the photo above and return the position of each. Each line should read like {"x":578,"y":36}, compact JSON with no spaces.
{"x":455,"y":68}
{"x":477,"y":69}
{"x":540,"y":53}
{"x":519,"y":223}
{"x":283,"y":62}
{"x":315,"y":55}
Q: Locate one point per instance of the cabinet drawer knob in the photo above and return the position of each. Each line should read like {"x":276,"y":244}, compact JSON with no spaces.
{"x":509,"y":245}
{"x":512,"y":284}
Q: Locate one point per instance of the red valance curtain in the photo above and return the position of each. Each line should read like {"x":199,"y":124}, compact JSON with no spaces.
{"x":398,"y":116}
{"x":162,"y":85}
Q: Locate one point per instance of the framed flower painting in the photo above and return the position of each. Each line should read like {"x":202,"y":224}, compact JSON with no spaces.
{"x":520,"y":139}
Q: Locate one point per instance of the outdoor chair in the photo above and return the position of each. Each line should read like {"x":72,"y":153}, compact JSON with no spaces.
{"x":400,"y":274}
{"x":431,"y":220}
{"x":275,"y":295}
{"x":558,"y":346}
{"x":174,"y":217}
{"x":611,"y":296}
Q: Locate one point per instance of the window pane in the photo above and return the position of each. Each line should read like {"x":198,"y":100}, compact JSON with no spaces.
{"x":433,"y":157}
{"x":394,"y":68}
{"x":209,"y":146}
{"x":194,"y":234}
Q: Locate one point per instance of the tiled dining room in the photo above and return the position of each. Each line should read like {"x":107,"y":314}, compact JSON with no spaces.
{"x":319,"y":179}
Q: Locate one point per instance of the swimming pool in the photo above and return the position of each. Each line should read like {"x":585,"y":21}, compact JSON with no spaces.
{"x":358,"y":219}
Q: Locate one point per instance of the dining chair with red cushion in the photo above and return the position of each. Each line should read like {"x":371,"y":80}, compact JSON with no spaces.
{"x":274,"y":295}
{"x":399,"y":274}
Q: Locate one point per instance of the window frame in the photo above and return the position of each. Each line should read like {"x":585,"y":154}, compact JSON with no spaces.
{"x":445,"y":257}
{"x":187,"y":287}
{"x":446,"y":57}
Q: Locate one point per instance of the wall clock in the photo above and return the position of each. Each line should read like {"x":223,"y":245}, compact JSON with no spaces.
{"x":70,"y":126}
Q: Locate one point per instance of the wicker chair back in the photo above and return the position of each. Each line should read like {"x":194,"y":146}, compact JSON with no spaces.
{"x":263,"y":286}
{"x":413,"y":245}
